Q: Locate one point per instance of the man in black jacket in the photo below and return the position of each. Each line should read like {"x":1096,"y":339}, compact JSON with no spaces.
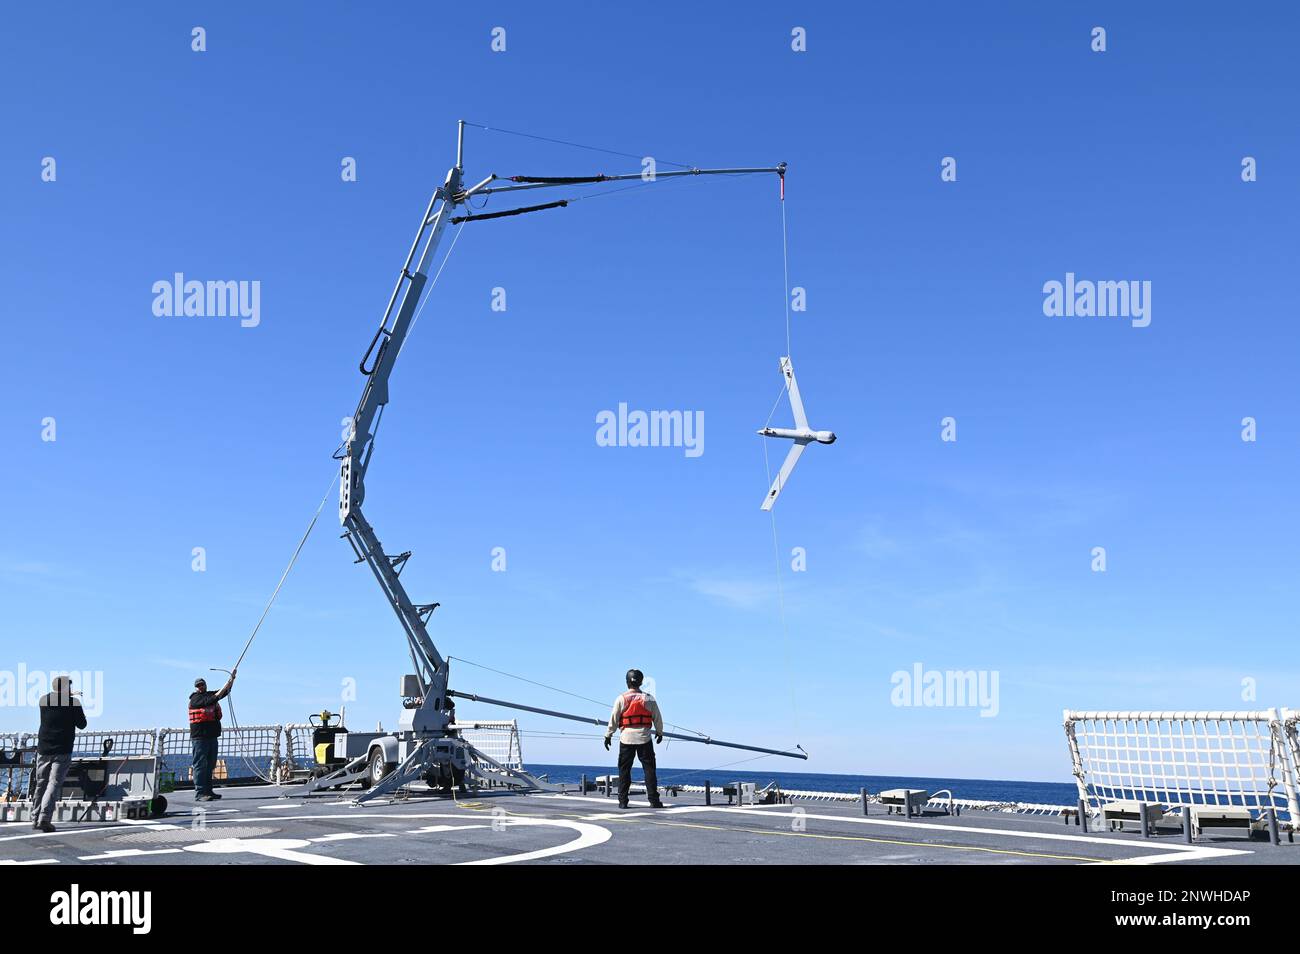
{"x":205,"y":730}
{"x":61,"y":717}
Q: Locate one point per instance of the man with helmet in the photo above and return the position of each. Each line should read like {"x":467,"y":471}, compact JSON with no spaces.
{"x":635,"y":714}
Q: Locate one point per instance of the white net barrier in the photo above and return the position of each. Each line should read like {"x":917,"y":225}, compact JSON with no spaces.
{"x":1290,"y":718}
{"x":299,"y":753}
{"x":98,"y":742}
{"x":14,"y":775}
{"x":15,"y":779}
{"x":497,"y":739}
{"x":244,"y":753}
{"x":1204,"y":758}
{"x":247,"y":753}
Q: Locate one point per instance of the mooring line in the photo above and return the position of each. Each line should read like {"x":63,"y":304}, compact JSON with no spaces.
{"x":285,"y":575}
{"x":234,"y":720}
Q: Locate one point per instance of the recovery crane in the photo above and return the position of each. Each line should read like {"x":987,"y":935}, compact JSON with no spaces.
{"x":427,"y":744}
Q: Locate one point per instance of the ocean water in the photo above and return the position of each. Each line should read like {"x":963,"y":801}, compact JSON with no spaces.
{"x":999,"y":790}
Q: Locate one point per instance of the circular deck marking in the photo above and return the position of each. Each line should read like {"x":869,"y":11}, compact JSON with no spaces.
{"x":287,"y":849}
{"x":588,"y":835}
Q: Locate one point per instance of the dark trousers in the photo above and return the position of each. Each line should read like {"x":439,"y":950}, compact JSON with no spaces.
{"x":51,"y":770}
{"x":646,"y":753}
{"x":205,"y":760}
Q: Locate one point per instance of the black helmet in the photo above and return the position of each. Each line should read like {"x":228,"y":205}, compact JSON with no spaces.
{"x":634,"y":678}
{"x":200,"y":683}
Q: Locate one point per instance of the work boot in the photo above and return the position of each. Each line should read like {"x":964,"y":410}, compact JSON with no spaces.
{"x":622,"y":803}
{"x":205,"y":798}
{"x":214,"y":796}
{"x":46,"y":827}
{"x":656,"y":804}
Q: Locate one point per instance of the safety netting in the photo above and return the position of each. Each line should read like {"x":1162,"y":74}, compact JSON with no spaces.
{"x":1244,"y":759}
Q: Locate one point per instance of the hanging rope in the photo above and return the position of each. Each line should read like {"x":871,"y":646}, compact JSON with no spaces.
{"x":285,"y":575}
{"x":785,"y":271}
{"x":776,"y":545}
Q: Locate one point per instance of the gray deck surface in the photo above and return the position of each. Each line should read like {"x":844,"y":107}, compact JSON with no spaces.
{"x":258,"y":825}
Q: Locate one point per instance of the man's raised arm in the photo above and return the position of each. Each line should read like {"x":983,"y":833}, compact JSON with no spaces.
{"x":225,"y":690}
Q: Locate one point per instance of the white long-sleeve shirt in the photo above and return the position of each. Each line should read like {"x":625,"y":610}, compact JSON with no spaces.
{"x":639,"y":734}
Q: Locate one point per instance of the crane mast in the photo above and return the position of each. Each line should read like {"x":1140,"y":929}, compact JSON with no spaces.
{"x":433,"y":713}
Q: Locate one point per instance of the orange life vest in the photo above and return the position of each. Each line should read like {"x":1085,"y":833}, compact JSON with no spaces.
{"x":210,"y":713}
{"x":635,"y":713}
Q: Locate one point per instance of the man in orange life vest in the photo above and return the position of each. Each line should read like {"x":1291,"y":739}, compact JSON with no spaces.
{"x":205,"y":730}
{"x":635,"y":713}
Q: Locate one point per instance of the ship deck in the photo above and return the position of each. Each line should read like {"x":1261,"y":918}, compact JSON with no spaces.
{"x":274,"y":825}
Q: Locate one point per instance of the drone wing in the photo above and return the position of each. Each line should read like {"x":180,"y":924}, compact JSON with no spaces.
{"x":796,"y":402}
{"x":787,"y":469}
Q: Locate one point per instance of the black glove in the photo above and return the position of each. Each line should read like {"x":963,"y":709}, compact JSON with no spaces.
{"x":606,"y":743}
{"x":659,"y":740}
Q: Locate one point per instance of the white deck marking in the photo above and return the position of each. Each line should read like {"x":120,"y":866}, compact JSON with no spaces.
{"x":35,"y":861}
{"x":285,"y":849}
{"x":1176,"y":852}
{"x":1172,"y":852}
{"x":588,"y":835}
{"x":130,"y":853}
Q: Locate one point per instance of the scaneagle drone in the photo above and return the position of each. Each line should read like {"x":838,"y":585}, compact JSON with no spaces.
{"x":801,"y":434}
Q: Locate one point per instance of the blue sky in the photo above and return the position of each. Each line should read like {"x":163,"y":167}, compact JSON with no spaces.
{"x":924,"y":301}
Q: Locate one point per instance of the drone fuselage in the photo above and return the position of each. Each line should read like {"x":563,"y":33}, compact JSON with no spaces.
{"x":803,"y":434}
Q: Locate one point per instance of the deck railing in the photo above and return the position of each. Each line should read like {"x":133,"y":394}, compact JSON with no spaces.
{"x":246,"y":753}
